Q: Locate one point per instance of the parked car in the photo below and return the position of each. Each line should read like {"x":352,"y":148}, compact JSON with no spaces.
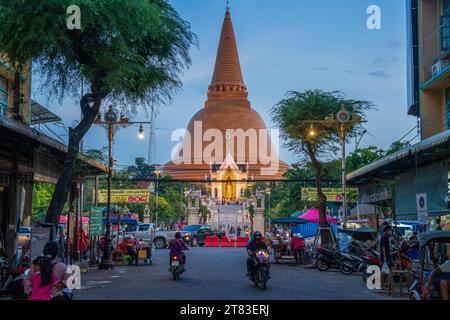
{"x":197,"y":234}
{"x":145,"y":232}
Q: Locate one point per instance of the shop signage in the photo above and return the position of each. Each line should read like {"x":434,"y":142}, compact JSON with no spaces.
{"x":374,"y":194}
{"x":332,"y":194}
{"x":124,"y":196}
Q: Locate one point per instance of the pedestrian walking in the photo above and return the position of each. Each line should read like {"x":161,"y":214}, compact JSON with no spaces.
{"x":385,"y":254}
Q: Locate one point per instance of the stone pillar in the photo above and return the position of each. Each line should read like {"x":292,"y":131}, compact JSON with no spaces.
{"x":193,"y":209}
{"x":258,"y":219}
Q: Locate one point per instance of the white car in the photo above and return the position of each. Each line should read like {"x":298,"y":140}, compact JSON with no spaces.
{"x":147,"y":232}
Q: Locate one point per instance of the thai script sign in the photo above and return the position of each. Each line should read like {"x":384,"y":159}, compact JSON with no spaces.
{"x":332,"y":194}
{"x":124,"y":196}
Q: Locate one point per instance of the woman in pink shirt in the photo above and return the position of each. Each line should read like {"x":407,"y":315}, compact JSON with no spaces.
{"x":42,"y":280}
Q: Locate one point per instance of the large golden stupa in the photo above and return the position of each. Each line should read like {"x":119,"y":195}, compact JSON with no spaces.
{"x":227,"y":108}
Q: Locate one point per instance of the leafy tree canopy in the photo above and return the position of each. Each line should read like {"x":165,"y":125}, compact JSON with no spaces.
{"x":136,"y":49}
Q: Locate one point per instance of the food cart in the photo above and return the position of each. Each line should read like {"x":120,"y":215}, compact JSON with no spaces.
{"x":281,"y":246}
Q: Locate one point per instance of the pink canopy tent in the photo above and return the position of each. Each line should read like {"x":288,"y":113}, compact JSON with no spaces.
{"x":63,"y":219}
{"x":312,"y":215}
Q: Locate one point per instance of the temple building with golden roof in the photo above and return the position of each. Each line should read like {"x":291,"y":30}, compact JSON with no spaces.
{"x":227,"y":141}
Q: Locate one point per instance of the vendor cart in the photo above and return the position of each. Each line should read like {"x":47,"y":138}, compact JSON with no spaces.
{"x":282,"y":248}
{"x":144,"y":253}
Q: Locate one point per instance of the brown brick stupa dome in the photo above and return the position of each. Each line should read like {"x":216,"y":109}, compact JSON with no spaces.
{"x":227,"y":113}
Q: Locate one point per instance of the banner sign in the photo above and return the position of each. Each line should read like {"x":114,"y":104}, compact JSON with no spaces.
{"x":124,"y":196}
{"x":332,"y":194}
{"x":96,"y":221}
{"x":38,"y":238}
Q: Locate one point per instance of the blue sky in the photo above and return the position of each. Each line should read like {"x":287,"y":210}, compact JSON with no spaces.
{"x":283,"y":45}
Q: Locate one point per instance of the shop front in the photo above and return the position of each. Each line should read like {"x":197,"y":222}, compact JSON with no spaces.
{"x":411,"y":184}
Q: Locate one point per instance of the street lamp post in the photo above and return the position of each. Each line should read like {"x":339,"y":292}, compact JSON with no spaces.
{"x":343,"y":117}
{"x":268,"y":194}
{"x":110,"y":121}
{"x":157,"y":173}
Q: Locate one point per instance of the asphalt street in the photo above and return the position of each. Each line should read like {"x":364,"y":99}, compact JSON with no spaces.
{"x":219,"y":273}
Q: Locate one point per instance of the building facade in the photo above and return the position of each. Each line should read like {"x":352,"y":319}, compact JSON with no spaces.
{"x":420,"y":171}
{"x":27,"y":155}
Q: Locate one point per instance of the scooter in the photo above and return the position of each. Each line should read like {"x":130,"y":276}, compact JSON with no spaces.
{"x":260,"y":264}
{"x":176,"y":267}
{"x":328,"y":258}
{"x":349,"y":263}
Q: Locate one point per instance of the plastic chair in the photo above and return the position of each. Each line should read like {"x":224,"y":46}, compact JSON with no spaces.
{"x":127,"y":259}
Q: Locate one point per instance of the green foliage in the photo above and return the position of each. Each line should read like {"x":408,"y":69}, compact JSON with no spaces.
{"x":362,"y":157}
{"x":42,"y":194}
{"x":298,"y":112}
{"x":142,"y":170}
{"x":138,"y":48}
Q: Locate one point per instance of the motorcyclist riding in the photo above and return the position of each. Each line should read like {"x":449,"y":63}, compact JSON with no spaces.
{"x":253,"y":246}
{"x":176,"y":247}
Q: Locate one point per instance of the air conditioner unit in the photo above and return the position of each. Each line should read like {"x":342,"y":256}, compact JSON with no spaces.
{"x":438,"y":67}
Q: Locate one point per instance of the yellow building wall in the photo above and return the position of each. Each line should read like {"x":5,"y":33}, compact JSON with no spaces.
{"x":8,"y":72}
{"x":433,"y":98}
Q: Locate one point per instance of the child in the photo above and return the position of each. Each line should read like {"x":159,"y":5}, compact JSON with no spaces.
{"x":42,"y":280}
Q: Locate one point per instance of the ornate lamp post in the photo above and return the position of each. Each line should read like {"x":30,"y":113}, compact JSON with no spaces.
{"x":110,"y":120}
{"x":157,"y":174}
{"x":342,"y":118}
{"x":269,"y":192}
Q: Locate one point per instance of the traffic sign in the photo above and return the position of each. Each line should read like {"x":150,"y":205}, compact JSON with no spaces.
{"x":422,"y":207}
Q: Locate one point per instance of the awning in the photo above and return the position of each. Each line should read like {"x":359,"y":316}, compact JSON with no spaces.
{"x":40,"y":114}
{"x":405,"y":158}
{"x":33,"y":134}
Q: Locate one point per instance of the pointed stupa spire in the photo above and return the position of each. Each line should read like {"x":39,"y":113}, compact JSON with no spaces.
{"x":227,"y":82}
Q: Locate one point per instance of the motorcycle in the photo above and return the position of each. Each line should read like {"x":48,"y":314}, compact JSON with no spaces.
{"x":14,"y":284}
{"x":328,"y":258}
{"x":260,"y":264}
{"x":176,"y":267}
{"x":349,"y":263}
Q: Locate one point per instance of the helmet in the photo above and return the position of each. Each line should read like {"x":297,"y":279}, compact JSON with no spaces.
{"x":178,"y":234}
{"x":257,"y":234}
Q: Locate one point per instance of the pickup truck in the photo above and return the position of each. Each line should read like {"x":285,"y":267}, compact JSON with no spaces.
{"x":197,"y":233}
{"x":145,"y":231}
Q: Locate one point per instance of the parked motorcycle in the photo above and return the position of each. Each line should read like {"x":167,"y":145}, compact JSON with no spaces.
{"x":350,"y":263}
{"x":328,"y":258}
{"x":261,"y":266}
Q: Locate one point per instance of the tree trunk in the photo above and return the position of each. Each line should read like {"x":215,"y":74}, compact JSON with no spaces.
{"x":322,"y":199}
{"x":62,"y":188}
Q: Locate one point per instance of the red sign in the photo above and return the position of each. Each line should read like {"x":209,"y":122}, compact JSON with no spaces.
{"x":137,"y":199}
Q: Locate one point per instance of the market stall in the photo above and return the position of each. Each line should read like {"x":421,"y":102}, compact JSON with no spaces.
{"x":281,"y":243}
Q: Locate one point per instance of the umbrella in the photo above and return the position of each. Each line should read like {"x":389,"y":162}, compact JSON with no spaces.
{"x":312,"y":215}
{"x":362,"y":233}
{"x":123,"y":220}
{"x":63,"y":220}
{"x":289,"y":220}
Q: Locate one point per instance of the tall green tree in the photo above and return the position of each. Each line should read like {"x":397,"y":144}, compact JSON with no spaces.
{"x":297,"y":114}
{"x":129,"y":52}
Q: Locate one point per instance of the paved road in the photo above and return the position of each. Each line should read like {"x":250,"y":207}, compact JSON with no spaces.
{"x":219,"y":273}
